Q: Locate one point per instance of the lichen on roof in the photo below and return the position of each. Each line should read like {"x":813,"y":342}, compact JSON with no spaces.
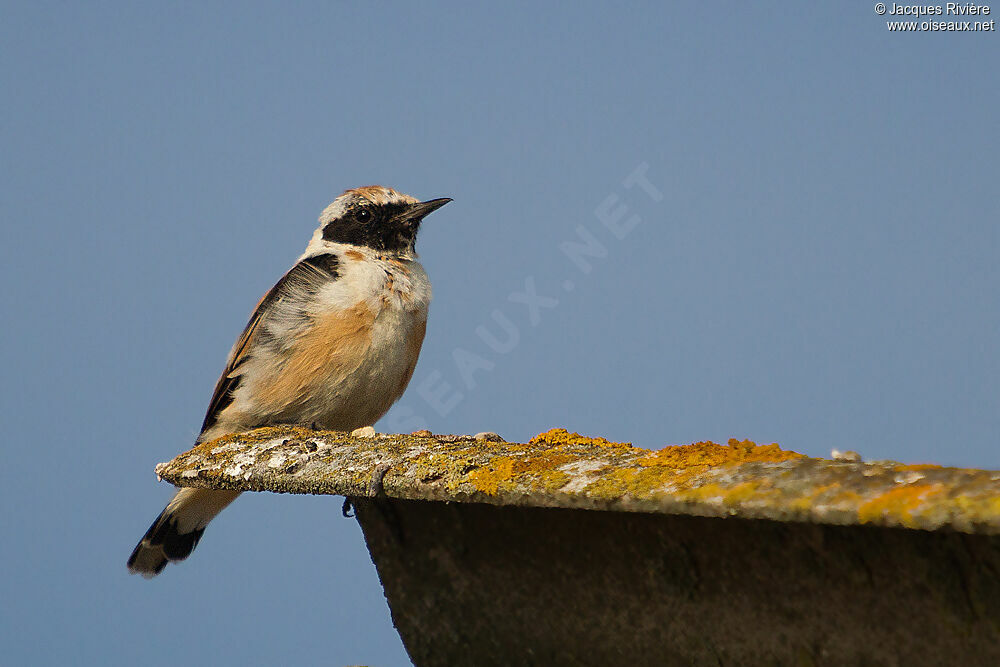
{"x":560,"y":436}
{"x":712,"y":454}
{"x":559,"y":468}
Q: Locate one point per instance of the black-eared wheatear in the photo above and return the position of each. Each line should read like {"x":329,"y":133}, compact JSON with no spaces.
{"x":332,"y":345}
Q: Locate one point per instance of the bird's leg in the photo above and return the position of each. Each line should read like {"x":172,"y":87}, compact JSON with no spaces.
{"x":375,"y":486}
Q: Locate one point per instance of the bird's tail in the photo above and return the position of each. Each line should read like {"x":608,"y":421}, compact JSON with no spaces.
{"x":175,"y":533}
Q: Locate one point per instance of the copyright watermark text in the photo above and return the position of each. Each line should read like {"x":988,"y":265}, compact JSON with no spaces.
{"x":950,"y":12}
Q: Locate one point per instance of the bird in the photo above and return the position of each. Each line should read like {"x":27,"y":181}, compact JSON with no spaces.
{"x":332,"y":345}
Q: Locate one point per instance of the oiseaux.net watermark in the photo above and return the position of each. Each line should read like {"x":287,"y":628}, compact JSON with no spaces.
{"x":949,"y":17}
{"x":443,"y":388}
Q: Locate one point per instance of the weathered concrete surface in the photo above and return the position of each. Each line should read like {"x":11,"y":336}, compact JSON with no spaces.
{"x":486,"y":585}
{"x":579,"y":551}
{"x":564,"y":470}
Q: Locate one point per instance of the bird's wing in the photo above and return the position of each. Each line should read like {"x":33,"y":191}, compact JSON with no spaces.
{"x":303,"y":279}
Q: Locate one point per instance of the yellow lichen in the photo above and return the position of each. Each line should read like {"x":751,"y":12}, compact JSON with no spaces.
{"x":618,"y":482}
{"x":713,"y":454}
{"x":831,"y":492}
{"x":505,"y":472}
{"x":899,"y":504}
{"x":731,"y":496}
{"x":560,"y":468}
{"x":541,"y":467}
{"x":560,"y":436}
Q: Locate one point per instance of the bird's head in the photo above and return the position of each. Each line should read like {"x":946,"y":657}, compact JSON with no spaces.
{"x":375,"y":217}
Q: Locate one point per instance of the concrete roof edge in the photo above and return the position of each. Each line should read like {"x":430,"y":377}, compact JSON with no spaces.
{"x":558,"y":469}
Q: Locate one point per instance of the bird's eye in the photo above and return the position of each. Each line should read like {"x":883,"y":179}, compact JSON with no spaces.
{"x":364,"y":215}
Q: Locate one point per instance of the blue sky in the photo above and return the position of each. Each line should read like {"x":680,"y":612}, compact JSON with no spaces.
{"x":820,"y":268}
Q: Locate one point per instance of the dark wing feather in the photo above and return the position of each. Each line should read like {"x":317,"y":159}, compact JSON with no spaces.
{"x":302,"y":279}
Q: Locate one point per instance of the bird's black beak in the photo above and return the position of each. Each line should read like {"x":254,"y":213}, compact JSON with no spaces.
{"x":418,"y":211}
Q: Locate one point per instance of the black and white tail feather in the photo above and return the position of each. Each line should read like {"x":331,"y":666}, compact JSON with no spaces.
{"x":175,"y":533}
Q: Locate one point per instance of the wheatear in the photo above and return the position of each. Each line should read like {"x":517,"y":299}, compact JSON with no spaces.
{"x":333,"y":344}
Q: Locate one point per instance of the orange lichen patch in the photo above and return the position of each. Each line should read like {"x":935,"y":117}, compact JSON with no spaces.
{"x":653,"y":469}
{"x":508,"y":472}
{"x":899,"y":504}
{"x":488,"y":479}
{"x":560,"y":436}
{"x":713,"y":454}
